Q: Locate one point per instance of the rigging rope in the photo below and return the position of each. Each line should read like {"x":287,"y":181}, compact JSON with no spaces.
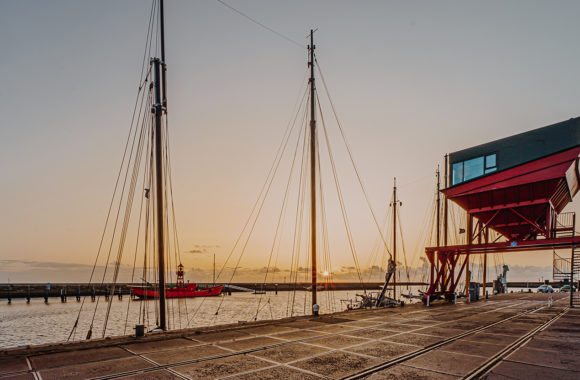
{"x":341,"y":201}
{"x":282,"y":210}
{"x":302,"y":46}
{"x":258,"y":204}
{"x":350,"y":155}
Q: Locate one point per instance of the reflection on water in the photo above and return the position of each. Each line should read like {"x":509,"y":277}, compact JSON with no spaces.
{"x":37,"y":322}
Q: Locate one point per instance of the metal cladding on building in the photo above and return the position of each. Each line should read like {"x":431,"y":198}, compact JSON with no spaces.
{"x":517,"y":185}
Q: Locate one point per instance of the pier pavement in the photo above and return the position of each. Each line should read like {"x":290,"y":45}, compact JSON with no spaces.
{"x":512,"y":336}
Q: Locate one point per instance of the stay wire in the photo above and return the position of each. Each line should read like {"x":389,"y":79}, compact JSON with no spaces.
{"x":300,"y":200}
{"x":126,"y":219}
{"x":302,"y":46}
{"x":145,"y":177}
{"x":262,"y":195}
{"x":139,"y":99}
{"x":350,"y":155}
{"x":341,"y":200}
{"x":283,"y":208}
{"x":279,"y":152}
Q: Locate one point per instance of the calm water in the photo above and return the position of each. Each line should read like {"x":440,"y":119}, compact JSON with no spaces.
{"x":37,"y":322}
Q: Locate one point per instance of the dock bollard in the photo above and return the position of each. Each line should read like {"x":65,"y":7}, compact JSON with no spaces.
{"x":455,"y":299}
{"x":139,"y":331}
{"x":315,"y":309}
{"x":428,"y":299}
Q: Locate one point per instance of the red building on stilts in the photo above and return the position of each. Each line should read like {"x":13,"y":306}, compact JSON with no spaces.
{"x":517,"y":186}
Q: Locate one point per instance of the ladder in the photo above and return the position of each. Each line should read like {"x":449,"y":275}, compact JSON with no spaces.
{"x":575,"y":277}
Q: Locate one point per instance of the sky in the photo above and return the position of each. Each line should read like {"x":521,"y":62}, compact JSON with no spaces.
{"x":410,"y":80}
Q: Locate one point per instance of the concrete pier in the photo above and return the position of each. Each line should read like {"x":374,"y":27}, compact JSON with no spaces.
{"x":509,"y":336}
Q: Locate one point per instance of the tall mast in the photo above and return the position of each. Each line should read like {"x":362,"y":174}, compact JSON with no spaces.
{"x":445,"y":211}
{"x":438,"y":208}
{"x":395,"y":201}
{"x":311,"y":48}
{"x":164,"y":67}
{"x":445,"y":203}
{"x":158,"y":109}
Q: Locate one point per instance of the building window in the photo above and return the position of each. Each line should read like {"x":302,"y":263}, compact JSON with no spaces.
{"x":473,"y":168}
{"x":457,"y":173}
{"x":490,"y":163}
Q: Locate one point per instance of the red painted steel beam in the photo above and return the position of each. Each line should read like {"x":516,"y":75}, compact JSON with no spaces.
{"x":531,"y":223}
{"x":509,"y":206}
{"x":514,"y":246}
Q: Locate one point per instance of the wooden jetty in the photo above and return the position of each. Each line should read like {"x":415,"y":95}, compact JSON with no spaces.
{"x":509,"y":336}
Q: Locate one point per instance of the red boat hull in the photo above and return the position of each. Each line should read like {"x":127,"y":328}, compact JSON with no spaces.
{"x":189,"y":291}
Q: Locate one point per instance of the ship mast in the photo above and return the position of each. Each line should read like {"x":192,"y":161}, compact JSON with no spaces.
{"x":394,"y":205}
{"x":159,"y":108}
{"x":311,"y":48}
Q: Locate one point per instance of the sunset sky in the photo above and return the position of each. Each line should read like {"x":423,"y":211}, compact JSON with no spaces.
{"x":411,"y":81}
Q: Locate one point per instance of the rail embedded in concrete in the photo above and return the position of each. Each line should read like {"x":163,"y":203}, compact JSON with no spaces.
{"x":453,"y":340}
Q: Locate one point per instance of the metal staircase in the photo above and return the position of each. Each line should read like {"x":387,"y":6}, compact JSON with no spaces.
{"x":560,"y":267}
{"x":575,"y":277}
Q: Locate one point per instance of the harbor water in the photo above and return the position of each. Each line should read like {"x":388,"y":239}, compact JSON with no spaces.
{"x":23,"y":323}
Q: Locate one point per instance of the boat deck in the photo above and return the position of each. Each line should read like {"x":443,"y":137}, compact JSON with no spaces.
{"x":509,"y":336}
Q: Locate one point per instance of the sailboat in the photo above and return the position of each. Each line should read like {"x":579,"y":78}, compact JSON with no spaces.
{"x":181,"y":290}
{"x":160,"y":167}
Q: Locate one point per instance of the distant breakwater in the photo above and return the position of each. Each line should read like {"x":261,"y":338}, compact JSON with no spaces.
{"x":73,"y":290}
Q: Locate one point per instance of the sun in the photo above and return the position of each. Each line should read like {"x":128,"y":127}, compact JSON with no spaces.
{"x":325,"y":273}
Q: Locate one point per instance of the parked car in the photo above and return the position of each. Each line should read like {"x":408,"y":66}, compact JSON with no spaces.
{"x":545,"y":289}
{"x":566,"y":288}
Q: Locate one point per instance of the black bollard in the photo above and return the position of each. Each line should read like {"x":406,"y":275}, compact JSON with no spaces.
{"x":27,"y":299}
{"x":139,"y":331}
{"x":45,"y":299}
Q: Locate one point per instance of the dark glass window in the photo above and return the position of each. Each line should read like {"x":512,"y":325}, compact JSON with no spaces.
{"x":472,"y":168}
{"x":457,"y":173}
{"x":490,"y":161}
